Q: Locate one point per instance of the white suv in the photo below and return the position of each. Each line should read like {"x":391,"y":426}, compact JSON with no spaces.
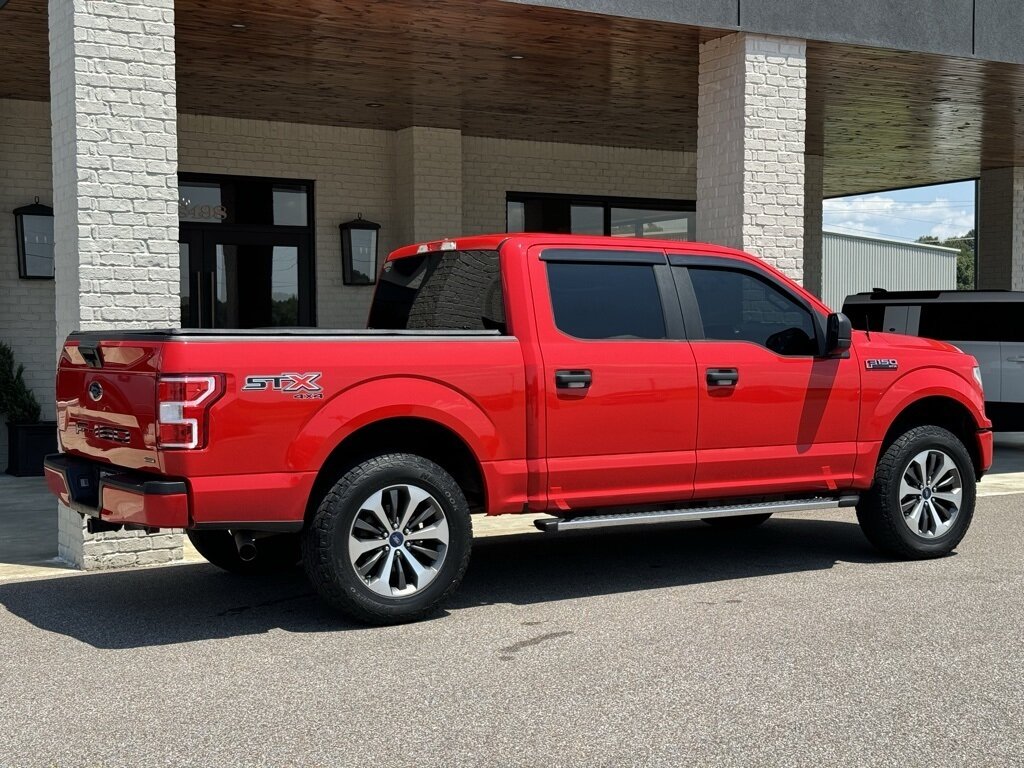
{"x":986,"y":324}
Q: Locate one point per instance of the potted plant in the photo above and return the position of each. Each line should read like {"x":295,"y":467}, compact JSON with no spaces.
{"x":28,"y":439}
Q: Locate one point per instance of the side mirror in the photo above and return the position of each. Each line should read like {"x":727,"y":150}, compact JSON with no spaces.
{"x":838,"y":335}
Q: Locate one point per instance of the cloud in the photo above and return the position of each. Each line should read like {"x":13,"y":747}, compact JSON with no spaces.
{"x":905,"y":220}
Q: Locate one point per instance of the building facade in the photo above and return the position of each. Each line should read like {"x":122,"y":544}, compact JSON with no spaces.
{"x":199,"y":159}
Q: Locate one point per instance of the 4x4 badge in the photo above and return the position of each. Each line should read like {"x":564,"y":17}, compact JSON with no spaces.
{"x":886,"y":364}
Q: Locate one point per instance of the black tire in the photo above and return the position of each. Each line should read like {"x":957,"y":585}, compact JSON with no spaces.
{"x":273,"y":553}
{"x":879,"y":510}
{"x":325,"y":541}
{"x":738,"y":522}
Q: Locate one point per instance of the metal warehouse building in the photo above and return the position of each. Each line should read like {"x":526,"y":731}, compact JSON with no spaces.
{"x":855,"y":263}
{"x":199,"y":157}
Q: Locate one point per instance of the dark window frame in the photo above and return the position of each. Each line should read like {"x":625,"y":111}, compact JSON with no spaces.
{"x":193,"y":231}
{"x":608,"y":203}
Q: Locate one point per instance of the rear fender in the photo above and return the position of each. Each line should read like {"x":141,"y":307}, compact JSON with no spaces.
{"x":392,"y":397}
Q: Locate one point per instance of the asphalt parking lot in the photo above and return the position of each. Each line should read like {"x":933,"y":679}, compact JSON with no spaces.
{"x":792,"y":644}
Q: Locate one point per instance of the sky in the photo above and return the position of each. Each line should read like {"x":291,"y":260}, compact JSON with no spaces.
{"x":943,"y":210}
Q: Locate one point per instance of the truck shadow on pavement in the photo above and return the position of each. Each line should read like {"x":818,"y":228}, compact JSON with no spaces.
{"x":188,"y":603}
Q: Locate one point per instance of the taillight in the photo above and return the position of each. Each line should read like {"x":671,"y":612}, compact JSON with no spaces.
{"x":183,"y":403}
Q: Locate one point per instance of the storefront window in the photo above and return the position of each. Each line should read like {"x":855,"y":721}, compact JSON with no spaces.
{"x":290,"y":206}
{"x":200,"y":203}
{"x":587,"y":219}
{"x":246,"y":248}
{"x":618,"y":217}
{"x":664,"y":225}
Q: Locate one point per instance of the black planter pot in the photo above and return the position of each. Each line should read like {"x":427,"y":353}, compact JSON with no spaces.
{"x":27,"y":444}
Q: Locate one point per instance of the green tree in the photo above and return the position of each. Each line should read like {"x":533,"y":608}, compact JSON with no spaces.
{"x":965,"y":244}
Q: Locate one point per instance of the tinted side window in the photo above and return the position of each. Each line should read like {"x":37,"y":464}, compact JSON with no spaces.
{"x":738,"y":306}
{"x":606,"y":301}
{"x":972,"y":321}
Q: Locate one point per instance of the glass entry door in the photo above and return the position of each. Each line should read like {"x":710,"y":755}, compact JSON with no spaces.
{"x":246,"y":252}
{"x":245,"y":280}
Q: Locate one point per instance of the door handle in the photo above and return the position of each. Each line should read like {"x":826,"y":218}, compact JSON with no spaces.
{"x":575,"y":379}
{"x":1018,"y":359}
{"x":723,"y":377}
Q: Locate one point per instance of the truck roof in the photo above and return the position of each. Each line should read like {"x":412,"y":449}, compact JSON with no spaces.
{"x":493,"y":242}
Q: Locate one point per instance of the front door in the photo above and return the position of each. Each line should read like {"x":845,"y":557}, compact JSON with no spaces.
{"x":619,"y":379}
{"x":245,"y":253}
{"x":773,"y":416}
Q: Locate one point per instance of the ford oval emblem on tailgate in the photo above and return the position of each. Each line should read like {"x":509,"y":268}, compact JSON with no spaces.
{"x":96,"y":390}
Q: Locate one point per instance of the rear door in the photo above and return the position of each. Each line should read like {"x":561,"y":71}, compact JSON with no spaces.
{"x":619,"y":379}
{"x":773,"y":417}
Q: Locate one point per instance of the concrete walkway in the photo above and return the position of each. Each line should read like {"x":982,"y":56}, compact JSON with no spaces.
{"x":28,"y":516}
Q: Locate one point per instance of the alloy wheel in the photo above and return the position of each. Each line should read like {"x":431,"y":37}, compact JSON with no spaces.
{"x":930,"y":493}
{"x":398,"y":540}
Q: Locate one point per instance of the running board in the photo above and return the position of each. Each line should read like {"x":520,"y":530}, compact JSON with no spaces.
{"x":553,"y":524}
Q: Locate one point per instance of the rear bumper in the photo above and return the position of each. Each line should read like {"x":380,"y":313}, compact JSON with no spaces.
{"x":116,"y":496}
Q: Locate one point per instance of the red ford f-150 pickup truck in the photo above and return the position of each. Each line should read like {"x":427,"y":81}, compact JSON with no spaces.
{"x":607,"y":382}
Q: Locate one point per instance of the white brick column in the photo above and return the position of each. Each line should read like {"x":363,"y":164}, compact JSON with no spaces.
{"x":115,"y":184}
{"x":814,"y":184}
{"x":750,"y":146}
{"x":428,"y":183}
{"x":1001,"y":229}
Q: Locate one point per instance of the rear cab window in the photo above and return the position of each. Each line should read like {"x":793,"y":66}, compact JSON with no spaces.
{"x":440,"y":291}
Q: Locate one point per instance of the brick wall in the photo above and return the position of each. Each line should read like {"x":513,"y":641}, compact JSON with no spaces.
{"x":750,"y":146}
{"x":115,"y":178}
{"x":352,"y":170}
{"x":492,"y":167}
{"x":26,"y":306}
{"x":428,"y":183}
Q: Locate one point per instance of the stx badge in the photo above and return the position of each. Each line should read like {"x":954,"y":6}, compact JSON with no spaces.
{"x":302,"y":386}
{"x":885,"y":364}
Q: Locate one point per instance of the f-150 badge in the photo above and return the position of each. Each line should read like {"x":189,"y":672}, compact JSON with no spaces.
{"x":302,"y":386}
{"x":886,"y":364}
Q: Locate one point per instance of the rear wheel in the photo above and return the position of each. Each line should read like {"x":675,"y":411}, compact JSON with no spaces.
{"x":390,"y":541}
{"x":922,"y":500}
{"x":273,"y":553}
{"x":738,"y":521}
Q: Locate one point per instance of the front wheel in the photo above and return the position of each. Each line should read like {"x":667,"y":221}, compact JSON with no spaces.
{"x":390,"y":541}
{"x":922,"y":500}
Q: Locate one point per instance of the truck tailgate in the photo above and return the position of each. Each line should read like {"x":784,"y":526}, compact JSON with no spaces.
{"x":106,"y":401}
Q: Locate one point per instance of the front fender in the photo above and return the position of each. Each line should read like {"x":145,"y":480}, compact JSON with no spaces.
{"x":917,"y":385}
{"x":392,"y":397}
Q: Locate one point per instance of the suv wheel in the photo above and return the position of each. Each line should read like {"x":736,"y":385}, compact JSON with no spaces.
{"x":390,"y":541}
{"x":922,"y":500}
